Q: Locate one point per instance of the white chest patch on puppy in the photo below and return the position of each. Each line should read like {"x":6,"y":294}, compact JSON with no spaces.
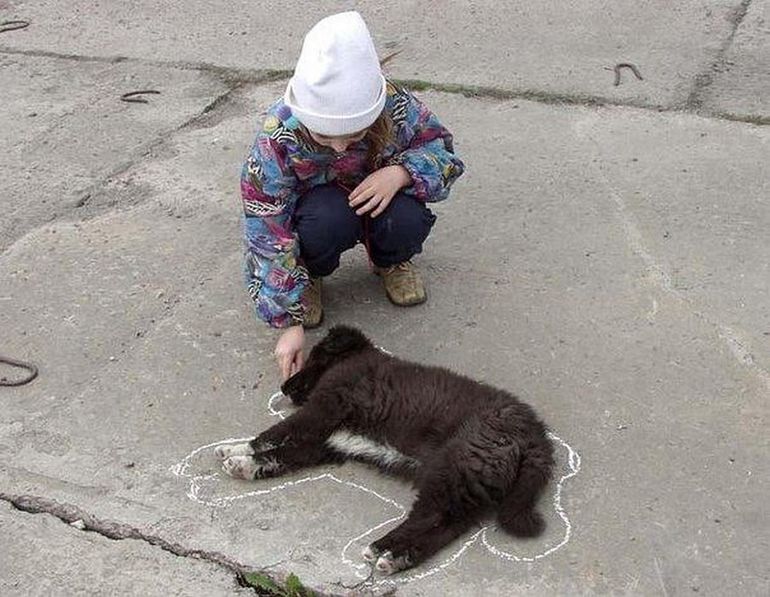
{"x":364,"y":448}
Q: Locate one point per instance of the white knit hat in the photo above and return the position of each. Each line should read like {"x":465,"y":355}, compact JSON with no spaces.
{"x":337,"y":88}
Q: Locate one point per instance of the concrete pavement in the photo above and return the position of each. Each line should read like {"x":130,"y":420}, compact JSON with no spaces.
{"x":605,"y":257}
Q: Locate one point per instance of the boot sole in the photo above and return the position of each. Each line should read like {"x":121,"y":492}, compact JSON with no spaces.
{"x":377,"y":273}
{"x":412,"y":304}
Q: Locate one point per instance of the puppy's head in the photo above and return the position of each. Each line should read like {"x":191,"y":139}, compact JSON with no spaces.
{"x":340,"y":343}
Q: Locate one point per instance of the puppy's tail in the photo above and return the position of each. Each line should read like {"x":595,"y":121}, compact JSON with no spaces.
{"x":517,"y":514}
{"x":522,"y":523}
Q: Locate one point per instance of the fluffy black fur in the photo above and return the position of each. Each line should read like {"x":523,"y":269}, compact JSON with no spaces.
{"x":470,"y":448}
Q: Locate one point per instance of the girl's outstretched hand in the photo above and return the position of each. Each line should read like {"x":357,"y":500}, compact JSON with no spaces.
{"x":288,"y":351}
{"x":378,"y":189}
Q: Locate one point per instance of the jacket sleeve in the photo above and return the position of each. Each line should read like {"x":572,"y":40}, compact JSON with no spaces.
{"x":274,"y":277}
{"x":428,"y":152}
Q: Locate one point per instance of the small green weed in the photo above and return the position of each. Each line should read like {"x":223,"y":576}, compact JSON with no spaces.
{"x":264,"y":585}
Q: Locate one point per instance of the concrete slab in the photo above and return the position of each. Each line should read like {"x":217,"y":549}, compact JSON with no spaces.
{"x":693,"y":210}
{"x":549,"y":47}
{"x":742,"y":84}
{"x":65,"y":129}
{"x":41,"y":555}
{"x":548,"y":276}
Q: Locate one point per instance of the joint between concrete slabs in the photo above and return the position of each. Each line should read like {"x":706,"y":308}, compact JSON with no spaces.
{"x":225,"y":73}
{"x":235,"y":76}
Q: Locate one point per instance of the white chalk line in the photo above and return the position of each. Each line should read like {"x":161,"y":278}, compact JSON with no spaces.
{"x":181,"y":469}
{"x":574,"y":464}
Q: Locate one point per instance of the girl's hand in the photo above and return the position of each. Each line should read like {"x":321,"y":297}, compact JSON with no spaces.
{"x":378,"y":189}
{"x":288,"y":351}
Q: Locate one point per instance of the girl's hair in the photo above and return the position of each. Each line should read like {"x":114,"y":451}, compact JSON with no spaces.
{"x":381,"y":134}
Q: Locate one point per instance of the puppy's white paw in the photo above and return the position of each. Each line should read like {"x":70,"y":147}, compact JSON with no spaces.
{"x":385,"y":564}
{"x":226,"y":450}
{"x":388,"y":564}
{"x":264,"y":446}
{"x":246,"y":467}
{"x":369,"y":554}
{"x":240,"y":467}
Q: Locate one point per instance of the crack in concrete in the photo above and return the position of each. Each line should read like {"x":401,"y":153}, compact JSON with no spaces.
{"x":113,"y":530}
{"x":756,"y":119}
{"x":83,"y":209}
{"x":88,"y":194}
{"x":704,"y":80}
{"x":116,"y":531}
{"x":159,"y":141}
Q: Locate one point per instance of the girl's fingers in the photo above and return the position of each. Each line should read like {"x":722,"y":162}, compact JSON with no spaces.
{"x":371,"y":204}
{"x":354,"y":194}
{"x":381,"y":207}
{"x":284,"y":364}
{"x":365,"y":194}
{"x":361,"y":186}
{"x":361,"y":189}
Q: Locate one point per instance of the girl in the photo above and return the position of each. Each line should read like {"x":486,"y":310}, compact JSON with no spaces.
{"x":344,"y":157}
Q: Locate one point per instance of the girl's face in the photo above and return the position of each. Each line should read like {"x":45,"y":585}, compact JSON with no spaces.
{"x":338,"y":144}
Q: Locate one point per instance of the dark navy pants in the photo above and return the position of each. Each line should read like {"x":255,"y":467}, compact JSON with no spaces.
{"x":327,"y":226}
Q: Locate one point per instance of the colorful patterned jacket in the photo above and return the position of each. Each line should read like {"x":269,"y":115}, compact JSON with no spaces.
{"x":283,"y":164}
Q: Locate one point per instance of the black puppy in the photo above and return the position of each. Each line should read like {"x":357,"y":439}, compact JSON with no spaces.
{"x":468,"y":447}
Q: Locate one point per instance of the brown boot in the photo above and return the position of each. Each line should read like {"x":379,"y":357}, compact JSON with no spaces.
{"x":314,"y":313}
{"x":403,"y":284}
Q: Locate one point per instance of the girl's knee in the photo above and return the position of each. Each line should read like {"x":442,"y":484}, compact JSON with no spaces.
{"x":324,"y":216}
{"x":406,"y":222}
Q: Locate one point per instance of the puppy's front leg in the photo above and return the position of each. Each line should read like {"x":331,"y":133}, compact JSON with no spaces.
{"x":291,"y":430}
{"x":297,"y":441}
{"x":280,"y":461}
{"x":226,"y":450}
{"x":252,"y":466}
{"x":259,"y":444}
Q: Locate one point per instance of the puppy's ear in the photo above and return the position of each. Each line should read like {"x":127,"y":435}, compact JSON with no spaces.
{"x":299,"y":385}
{"x":342,"y":339}
{"x":292,"y":385}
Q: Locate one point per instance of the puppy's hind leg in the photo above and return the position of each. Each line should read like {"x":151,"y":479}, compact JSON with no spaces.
{"x":415,"y":542}
{"x":441,"y":513}
{"x":457,"y":486}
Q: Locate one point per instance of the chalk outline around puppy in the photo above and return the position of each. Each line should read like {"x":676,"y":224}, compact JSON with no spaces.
{"x":195,"y":485}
